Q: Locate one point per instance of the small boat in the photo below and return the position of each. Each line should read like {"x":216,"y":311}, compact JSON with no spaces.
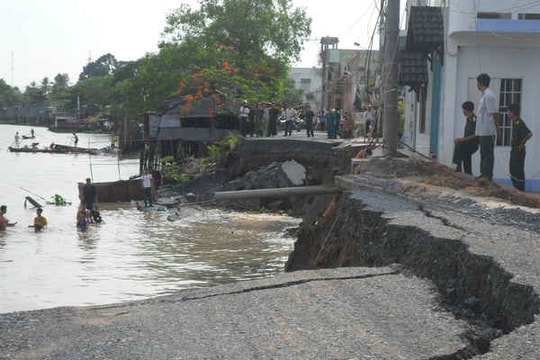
{"x":54,"y":149}
{"x":116,"y":191}
{"x":31,"y":201}
{"x":35,"y":149}
{"x":75,"y":149}
{"x":26,"y":137}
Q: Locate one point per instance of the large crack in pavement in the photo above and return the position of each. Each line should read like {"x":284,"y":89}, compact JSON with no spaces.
{"x":376,"y":230}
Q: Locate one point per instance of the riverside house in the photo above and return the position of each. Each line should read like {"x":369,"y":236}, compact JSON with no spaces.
{"x":178,"y":125}
{"x":448,"y":44}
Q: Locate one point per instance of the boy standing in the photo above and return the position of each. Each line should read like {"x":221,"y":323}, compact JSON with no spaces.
{"x":147,"y":182}
{"x":468,"y":144}
{"x":40,"y":221}
{"x":520,"y":135}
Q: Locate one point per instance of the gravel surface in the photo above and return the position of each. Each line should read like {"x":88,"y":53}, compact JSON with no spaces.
{"x":352,"y":313}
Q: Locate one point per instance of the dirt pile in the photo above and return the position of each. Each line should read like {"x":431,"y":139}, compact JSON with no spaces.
{"x":421,"y":175}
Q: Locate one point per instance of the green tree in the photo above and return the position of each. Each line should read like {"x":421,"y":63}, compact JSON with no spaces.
{"x":239,"y":48}
{"x":34,"y":94}
{"x":94,"y":94}
{"x":62,"y":96}
{"x":103,"y":66}
{"x":254,"y":28}
{"x":9,"y":95}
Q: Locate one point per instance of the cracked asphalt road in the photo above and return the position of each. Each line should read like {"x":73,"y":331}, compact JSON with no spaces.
{"x":349,"y":313}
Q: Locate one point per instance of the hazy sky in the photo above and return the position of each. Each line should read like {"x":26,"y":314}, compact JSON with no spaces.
{"x":41,"y":38}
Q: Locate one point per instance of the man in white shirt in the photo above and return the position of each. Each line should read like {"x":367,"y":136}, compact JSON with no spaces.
{"x":487,"y":126}
{"x":244,"y":117}
{"x":146,"y":180}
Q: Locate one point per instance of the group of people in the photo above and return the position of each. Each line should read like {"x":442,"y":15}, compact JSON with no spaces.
{"x":18,"y":138}
{"x":260,"y":119}
{"x":88,"y":212}
{"x":263,"y":119}
{"x":481,"y":132}
{"x":40,"y":221}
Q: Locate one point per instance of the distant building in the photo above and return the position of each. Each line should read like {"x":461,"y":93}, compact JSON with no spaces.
{"x":344,"y":81}
{"x":309,"y":80}
{"x":450,"y":43}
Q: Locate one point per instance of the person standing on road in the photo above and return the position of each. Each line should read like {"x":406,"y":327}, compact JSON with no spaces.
{"x":265,"y":119}
{"x":244,"y":117}
{"x":520,"y":135}
{"x":146,"y":180}
{"x":332,"y":123}
{"x":467,"y":145}
{"x":290,"y":116}
{"x":309,"y":116}
{"x":487,"y":126}
{"x":274,"y":115}
{"x":368,"y":121}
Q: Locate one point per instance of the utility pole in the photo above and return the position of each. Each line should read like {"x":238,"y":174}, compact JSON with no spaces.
{"x":390,"y":77}
{"x":326,"y":42}
{"x":12,"y":69}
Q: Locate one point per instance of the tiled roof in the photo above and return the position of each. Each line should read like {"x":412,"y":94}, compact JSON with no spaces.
{"x":425,"y":29}
{"x":413,"y":68}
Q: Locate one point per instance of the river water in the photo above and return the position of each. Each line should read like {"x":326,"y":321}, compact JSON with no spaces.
{"x":133,"y":254}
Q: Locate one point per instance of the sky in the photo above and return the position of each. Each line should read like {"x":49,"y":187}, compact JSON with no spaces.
{"x":42,"y":38}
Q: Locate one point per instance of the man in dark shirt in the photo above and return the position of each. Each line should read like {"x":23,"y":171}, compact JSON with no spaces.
{"x":468,"y":144}
{"x":520,"y":135}
{"x":89,"y":195}
{"x":309,"y":116}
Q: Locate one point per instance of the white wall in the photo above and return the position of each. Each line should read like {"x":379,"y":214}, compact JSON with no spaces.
{"x":502,"y":62}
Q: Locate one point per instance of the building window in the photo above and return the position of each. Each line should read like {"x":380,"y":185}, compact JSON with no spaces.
{"x":510,"y":92}
{"x":494,"y":15}
{"x":529,"y":16}
{"x":305,"y":84}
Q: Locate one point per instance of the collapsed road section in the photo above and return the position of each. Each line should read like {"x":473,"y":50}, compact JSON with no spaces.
{"x":482,"y":258}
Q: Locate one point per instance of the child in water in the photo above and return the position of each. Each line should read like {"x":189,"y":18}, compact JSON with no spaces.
{"x":83,"y":218}
{"x":40,"y":221}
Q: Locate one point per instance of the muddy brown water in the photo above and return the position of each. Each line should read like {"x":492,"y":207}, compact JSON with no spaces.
{"x":132,"y":255}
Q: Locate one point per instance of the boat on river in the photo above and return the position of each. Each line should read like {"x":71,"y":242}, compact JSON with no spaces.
{"x":116,"y":191}
{"x":54,"y":149}
{"x":75,"y":149}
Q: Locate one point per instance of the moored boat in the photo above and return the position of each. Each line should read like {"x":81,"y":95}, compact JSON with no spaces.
{"x":116,"y":191}
{"x":75,"y":149}
{"x":54,"y":149}
{"x":28,"y":149}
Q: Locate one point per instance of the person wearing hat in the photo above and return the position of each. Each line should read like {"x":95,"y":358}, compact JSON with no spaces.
{"x":40,"y":221}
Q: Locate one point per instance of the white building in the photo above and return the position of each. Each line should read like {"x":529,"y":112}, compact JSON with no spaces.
{"x":310,"y":81}
{"x":497,"y":37}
